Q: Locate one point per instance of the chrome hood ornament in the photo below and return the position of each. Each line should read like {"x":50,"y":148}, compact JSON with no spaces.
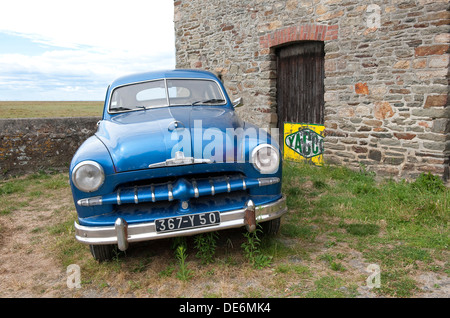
{"x":179,"y":160}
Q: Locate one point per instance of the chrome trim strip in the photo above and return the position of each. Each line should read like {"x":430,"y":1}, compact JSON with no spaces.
{"x":213,"y":189}
{"x":228,"y":184}
{"x":135,"y":195}
{"x":196,"y":193}
{"x":244,"y":184}
{"x":268,"y":181}
{"x":167,"y":92}
{"x":90,"y":201}
{"x":153,"y":193}
{"x":147,"y":231}
{"x":170,"y":189}
{"x":118,"y":197}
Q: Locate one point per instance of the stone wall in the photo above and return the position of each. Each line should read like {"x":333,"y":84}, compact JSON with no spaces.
{"x":386,"y":77}
{"x":33,"y":144}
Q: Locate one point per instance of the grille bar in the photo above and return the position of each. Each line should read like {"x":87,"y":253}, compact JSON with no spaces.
{"x":182,"y":189}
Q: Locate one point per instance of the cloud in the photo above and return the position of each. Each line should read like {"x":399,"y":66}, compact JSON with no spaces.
{"x":116,"y":25}
{"x":54,"y":74}
{"x":88,"y":44}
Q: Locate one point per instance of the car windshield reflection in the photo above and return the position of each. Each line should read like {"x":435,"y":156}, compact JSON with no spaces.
{"x":170,"y":92}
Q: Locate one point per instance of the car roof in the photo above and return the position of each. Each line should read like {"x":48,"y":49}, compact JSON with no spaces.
{"x":154,"y":75}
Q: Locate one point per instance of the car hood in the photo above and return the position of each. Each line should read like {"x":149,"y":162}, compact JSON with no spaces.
{"x":148,"y":138}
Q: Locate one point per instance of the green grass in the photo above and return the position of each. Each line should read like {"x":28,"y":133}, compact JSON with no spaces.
{"x":305,"y":232}
{"x":401,"y":226}
{"x":334,"y":213}
{"x":331,"y":287}
{"x":46,"y":109}
{"x":11,"y":187}
{"x":360,"y":229}
{"x":358,"y":198}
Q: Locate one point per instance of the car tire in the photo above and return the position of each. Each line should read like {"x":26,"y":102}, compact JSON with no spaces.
{"x":271,"y":227}
{"x":103,"y":253}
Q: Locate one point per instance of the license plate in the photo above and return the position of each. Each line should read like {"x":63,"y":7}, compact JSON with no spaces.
{"x":187,"y":221}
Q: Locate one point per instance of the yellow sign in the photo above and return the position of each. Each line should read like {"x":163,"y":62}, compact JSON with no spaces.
{"x":304,"y":142}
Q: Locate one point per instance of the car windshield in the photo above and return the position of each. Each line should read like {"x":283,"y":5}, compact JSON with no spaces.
{"x":170,"y":92}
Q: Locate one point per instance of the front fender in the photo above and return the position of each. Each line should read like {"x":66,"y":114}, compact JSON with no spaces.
{"x":253,"y":137}
{"x":92,"y":149}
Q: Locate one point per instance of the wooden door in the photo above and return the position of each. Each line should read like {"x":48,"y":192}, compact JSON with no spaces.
{"x":300,"y":88}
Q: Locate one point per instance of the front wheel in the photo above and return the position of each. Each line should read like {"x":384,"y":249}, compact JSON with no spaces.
{"x":103,"y":253}
{"x":271,"y":227}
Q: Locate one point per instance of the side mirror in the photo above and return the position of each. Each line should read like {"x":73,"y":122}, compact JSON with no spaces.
{"x":238,"y":102}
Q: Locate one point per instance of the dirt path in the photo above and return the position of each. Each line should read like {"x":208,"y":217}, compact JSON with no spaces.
{"x":26,"y":267}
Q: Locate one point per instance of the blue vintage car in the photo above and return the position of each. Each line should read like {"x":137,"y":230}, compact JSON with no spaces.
{"x":171,"y":158}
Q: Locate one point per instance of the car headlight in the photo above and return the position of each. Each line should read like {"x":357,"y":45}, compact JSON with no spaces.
{"x":265,"y":158}
{"x":88,"y":176}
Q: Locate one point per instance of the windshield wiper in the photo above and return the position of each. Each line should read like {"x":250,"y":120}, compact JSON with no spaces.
{"x":120,"y":108}
{"x":209,"y":101}
{"x":127,"y":108}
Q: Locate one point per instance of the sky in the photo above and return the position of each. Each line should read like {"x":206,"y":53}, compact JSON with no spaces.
{"x":67,"y":50}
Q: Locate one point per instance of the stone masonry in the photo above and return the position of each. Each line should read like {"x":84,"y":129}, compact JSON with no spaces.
{"x":386,"y":71}
{"x":28,"y":145}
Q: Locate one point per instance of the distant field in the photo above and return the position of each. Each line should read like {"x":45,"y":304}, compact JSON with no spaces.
{"x":40,"y":109}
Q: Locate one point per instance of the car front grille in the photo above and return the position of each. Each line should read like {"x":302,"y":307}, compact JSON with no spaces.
{"x":180,"y":189}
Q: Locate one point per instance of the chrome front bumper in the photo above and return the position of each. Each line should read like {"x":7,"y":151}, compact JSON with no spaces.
{"x":123,"y":233}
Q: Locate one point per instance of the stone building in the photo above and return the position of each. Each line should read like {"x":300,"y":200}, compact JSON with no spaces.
{"x":375,"y":72}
